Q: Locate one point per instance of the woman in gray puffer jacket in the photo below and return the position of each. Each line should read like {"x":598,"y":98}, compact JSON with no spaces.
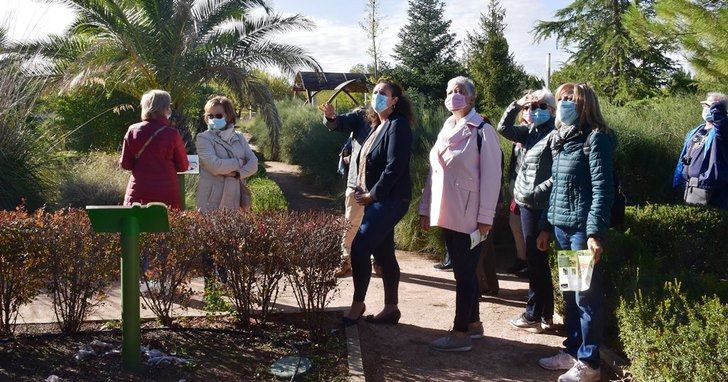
{"x":531,"y":192}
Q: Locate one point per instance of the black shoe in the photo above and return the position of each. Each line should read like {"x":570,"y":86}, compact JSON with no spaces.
{"x":523,"y":273}
{"x":443,"y":266}
{"x":489,"y":292}
{"x":391,"y":318}
{"x":349,"y":322}
{"x":517,"y":266}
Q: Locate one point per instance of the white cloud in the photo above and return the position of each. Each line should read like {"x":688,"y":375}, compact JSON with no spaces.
{"x":339,"y":46}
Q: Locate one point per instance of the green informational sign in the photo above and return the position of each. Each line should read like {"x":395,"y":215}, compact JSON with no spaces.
{"x":129,"y":221}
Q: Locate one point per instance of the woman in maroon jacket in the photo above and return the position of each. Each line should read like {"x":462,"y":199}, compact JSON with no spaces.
{"x":154,"y":153}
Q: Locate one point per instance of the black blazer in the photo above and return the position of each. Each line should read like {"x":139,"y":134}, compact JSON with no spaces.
{"x":388,"y":162}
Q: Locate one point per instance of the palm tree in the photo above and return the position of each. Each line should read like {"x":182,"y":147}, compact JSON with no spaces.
{"x":178,"y":45}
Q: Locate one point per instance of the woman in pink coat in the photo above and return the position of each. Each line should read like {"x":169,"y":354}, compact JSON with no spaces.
{"x":460,"y":196}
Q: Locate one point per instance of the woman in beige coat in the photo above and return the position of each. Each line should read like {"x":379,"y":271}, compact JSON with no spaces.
{"x":226,"y":160}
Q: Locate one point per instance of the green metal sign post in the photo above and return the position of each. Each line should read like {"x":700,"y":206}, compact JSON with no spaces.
{"x":130,"y":221}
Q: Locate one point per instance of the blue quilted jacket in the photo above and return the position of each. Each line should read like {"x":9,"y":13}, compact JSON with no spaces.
{"x":583,"y":185}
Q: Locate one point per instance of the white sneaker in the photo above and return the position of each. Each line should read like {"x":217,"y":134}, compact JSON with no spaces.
{"x":521,"y":322}
{"x":561,"y":361}
{"x":581,"y":372}
{"x":547,"y":325}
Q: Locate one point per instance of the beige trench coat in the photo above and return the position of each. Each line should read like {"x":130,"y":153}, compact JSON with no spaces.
{"x":216,"y":190}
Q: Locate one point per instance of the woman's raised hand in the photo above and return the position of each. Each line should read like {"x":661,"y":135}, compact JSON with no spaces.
{"x":328,"y":110}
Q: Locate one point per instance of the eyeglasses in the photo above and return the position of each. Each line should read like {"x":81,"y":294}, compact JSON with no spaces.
{"x":534,"y":106}
{"x":217,"y":116}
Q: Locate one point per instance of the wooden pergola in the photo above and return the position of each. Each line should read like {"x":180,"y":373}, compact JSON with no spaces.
{"x":313,"y":82}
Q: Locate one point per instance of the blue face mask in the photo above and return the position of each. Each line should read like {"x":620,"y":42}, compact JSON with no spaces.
{"x":540,"y":116}
{"x":379,"y":102}
{"x":567,"y":112}
{"x":708,"y":115}
{"x":216,"y":123}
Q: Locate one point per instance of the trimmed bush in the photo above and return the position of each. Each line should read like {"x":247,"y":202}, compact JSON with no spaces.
{"x":312,"y":243}
{"x":93,"y":179}
{"x":671,"y":338}
{"x":172,"y":259}
{"x":83,"y":264}
{"x":22,"y":265}
{"x":267,"y":196}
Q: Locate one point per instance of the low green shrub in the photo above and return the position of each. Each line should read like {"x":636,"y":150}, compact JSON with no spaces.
{"x":682,"y":238}
{"x":93,"y":179}
{"x":669,"y":337}
{"x":267,"y":195}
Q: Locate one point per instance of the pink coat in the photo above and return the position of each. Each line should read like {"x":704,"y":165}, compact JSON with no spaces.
{"x":463,"y":185}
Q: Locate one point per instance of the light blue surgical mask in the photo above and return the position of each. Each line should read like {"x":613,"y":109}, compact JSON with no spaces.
{"x":707,"y":115}
{"x":540,"y":116}
{"x":216,"y":123}
{"x":567,"y":112}
{"x":379,"y":102}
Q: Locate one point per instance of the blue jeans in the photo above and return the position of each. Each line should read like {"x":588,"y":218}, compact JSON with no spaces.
{"x":540,"y":305}
{"x":464,"y":263}
{"x":584,"y":310}
{"x":376,"y":237}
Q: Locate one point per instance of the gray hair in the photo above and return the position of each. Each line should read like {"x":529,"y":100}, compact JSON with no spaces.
{"x":155,"y":102}
{"x":544,"y":95}
{"x":719,"y":97}
{"x":466,"y":82}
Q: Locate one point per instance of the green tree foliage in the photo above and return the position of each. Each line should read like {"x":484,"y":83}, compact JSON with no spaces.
{"x":698,"y":29}
{"x":91,"y":118}
{"x":493,"y":68}
{"x":426,"y":49}
{"x":604,"y":52}
{"x":137,"y":45}
{"x":372,"y":26}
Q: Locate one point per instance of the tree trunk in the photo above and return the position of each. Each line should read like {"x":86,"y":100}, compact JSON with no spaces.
{"x":181,"y":123}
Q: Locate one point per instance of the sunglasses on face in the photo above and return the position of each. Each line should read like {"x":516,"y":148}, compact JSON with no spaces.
{"x":216,"y":116}
{"x":534,"y":106}
{"x":567,"y":98}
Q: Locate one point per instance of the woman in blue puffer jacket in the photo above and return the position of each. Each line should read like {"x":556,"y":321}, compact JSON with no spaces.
{"x":579,"y":213}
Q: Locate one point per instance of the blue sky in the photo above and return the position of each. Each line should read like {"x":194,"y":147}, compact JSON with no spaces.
{"x":338,"y":42}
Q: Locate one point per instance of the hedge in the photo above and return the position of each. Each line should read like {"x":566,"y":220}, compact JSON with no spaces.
{"x":51,"y":252}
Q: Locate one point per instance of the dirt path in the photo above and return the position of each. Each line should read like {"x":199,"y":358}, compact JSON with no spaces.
{"x":300,"y":194}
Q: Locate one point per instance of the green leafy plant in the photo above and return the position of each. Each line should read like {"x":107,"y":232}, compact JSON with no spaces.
{"x":671,"y":338}
{"x":267,"y":196}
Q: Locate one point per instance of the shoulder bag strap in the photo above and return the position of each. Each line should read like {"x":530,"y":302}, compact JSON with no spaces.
{"x":139,"y":154}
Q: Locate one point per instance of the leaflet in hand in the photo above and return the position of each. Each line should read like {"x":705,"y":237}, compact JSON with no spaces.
{"x":476,"y":238}
{"x":575,"y":270}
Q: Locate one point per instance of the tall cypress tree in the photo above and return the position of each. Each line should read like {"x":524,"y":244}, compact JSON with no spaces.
{"x":696,"y":28}
{"x":426,"y":49}
{"x":493,"y":68}
{"x":605,"y":53}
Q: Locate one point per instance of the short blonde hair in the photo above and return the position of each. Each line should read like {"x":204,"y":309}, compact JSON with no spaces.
{"x":154,"y":103}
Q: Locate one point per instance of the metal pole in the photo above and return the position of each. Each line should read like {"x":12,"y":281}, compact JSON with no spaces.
{"x":181,"y":179}
{"x":130,"y":329}
{"x":548,"y":71}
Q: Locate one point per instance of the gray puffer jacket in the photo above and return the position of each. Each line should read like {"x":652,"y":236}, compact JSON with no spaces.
{"x":533,"y":183}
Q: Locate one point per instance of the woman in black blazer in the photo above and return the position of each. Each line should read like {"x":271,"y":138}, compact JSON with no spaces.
{"x":384,"y":187}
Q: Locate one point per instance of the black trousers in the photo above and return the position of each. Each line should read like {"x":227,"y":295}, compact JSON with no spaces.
{"x":540,"y":303}
{"x":464,"y":261}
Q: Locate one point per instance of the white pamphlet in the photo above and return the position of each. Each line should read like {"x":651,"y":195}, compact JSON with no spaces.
{"x":194,"y":165}
{"x":476,"y":238}
{"x":575,"y":270}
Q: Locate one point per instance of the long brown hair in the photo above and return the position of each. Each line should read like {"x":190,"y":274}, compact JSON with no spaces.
{"x":587,"y":105}
{"x":403,"y":107}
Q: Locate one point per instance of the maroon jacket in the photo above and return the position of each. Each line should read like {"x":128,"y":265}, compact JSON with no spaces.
{"x":154,"y":174}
